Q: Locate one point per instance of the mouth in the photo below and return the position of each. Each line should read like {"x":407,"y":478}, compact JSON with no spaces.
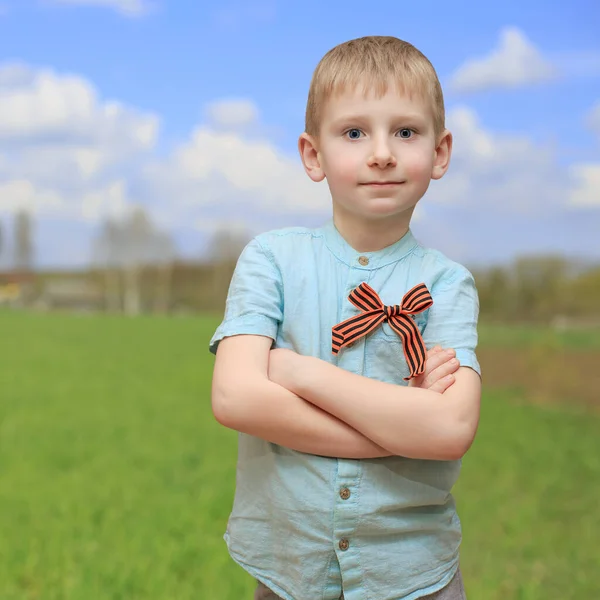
{"x":382,"y":184}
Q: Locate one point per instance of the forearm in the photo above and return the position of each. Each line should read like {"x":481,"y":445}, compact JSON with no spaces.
{"x":410,"y":422}
{"x":266,"y":410}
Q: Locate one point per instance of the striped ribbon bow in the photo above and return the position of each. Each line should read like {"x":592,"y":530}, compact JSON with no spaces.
{"x":375,"y":312}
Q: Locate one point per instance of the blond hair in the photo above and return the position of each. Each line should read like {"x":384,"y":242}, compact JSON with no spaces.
{"x":374,"y":62}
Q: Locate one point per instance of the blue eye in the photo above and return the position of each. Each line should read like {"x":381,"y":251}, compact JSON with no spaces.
{"x":353,"y":134}
{"x":405,"y":133}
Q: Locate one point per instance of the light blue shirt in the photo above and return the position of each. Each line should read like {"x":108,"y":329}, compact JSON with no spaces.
{"x":309,"y":526}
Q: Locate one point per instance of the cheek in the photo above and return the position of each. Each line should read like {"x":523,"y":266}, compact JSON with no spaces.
{"x":341,"y":167}
{"x":418,"y":165}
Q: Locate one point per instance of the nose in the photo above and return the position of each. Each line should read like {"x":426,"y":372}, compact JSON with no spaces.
{"x":382,"y":155}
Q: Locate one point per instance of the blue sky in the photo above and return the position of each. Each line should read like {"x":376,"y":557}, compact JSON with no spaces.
{"x":527,"y":126}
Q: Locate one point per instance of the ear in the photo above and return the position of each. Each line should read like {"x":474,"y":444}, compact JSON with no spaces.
{"x":310,"y":157}
{"x":443,"y":152}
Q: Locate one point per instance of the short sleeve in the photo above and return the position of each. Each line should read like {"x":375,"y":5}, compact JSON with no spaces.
{"x":254,"y":302}
{"x":452,"y":321}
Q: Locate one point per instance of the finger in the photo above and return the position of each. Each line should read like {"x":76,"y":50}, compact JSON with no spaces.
{"x":416,"y":381}
{"x":447,"y":368}
{"x":437,"y":359}
{"x":434,"y":350}
{"x":443,"y":384}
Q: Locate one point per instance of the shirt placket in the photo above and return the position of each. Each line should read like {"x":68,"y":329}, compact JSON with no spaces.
{"x":349,"y":472}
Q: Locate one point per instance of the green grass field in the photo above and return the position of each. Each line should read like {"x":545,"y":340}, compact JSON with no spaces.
{"x":116,"y":482}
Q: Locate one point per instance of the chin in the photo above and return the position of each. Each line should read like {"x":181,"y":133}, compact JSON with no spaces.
{"x":377,"y":209}
{"x":384,"y":208}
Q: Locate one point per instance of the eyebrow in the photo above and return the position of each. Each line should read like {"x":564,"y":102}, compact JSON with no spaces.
{"x":350,"y":118}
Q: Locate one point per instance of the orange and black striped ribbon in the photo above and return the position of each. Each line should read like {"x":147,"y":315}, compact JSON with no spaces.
{"x":375,"y":312}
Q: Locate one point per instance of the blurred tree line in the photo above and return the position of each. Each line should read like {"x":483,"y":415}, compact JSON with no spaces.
{"x":544,"y":289}
{"x":16,"y":243}
{"x":135,"y":268}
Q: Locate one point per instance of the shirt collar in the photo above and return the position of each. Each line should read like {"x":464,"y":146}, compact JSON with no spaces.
{"x":367,"y":260}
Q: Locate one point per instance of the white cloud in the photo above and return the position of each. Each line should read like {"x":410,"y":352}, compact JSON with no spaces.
{"x":127,"y":8}
{"x":91,"y":205}
{"x":111,"y":201}
{"x":66,"y":153}
{"x":232,"y":113}
{"x":515,"y":62}
{"x":586,"y":192}
{"x":225,"y":174}
{"x":22,"y":194}
{"x":41,"y":104}
{"x":500,"y":172}
{"x":77,"y":155}
{"x":62,"y":147}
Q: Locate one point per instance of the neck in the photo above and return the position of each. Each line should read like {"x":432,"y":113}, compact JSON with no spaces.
{"x":371,"y":235}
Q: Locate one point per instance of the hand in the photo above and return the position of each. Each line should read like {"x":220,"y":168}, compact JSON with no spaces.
{"x":439,"y":368}
{"x":283,"y":367}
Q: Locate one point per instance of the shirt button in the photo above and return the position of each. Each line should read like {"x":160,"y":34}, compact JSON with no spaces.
{"x":363,"y":260}
{"x":344,"y":545}
{"x":344,"y":493}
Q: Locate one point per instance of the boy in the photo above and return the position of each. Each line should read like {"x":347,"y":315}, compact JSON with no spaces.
{"x":350,"y":434}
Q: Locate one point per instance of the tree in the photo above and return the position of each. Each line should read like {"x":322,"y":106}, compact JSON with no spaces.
{"x":23,"y":241}
{"x":105,"y":253}
{"x":226,"y":245}
{"x":165,"y":258}
{"x":540,"y":282}
{"x":225,"y":248}
{"x":2,"y":243}
{"x":128,"y":245}
{"x":495,"y":293}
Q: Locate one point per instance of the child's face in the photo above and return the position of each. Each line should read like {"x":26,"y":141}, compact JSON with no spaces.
{"x":377,"y":154}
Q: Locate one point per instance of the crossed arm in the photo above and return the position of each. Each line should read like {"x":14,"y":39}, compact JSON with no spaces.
{"x":312,"y":406}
